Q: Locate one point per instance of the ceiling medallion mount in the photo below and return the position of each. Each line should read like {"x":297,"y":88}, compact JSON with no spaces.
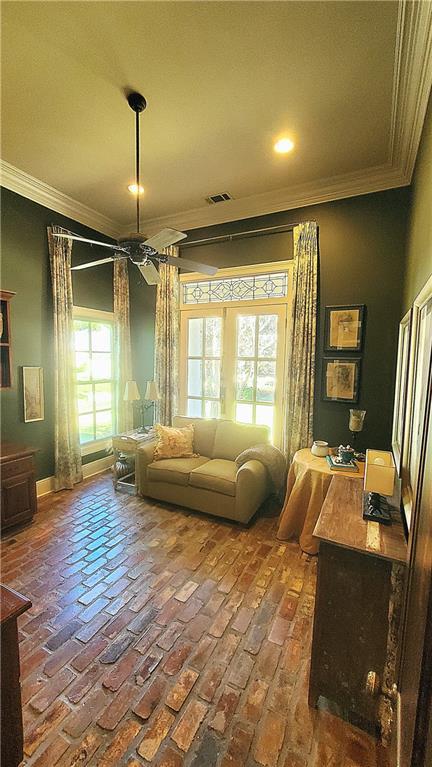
{"x":137,"y":102}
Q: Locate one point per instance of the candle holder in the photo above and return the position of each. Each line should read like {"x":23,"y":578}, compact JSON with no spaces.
{"x":356,"y":421}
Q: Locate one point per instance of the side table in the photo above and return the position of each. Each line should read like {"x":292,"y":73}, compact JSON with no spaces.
{"x":308,"y":481}
{"x":125,"y":447}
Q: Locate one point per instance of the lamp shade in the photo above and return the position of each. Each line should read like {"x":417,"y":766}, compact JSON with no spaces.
{"x":131,"y":392}
{"x":380,"y":472}
{"x":152,"y":391}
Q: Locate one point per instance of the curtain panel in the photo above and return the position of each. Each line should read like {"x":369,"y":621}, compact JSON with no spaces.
{"x":300,"y":382}
{"x":68,"y":468}
{"x":167,"y":339}
{"x":123,"y":355}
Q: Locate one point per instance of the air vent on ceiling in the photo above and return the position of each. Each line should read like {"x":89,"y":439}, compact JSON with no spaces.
{"x":223,"y":197}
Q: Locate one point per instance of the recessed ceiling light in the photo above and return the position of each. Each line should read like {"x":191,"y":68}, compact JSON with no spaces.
{"x":283,"y":145}
{"x":134,"y":189}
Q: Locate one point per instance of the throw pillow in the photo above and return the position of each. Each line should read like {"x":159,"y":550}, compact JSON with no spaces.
{"x":174,"y":443}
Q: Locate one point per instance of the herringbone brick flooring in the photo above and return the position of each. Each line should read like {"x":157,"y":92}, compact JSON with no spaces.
{"x":162,"y":637}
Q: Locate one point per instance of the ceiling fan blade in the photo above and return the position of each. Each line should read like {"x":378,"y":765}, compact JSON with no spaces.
{"x":165,"y":238}
{"x":92,"y":242}
{"x":95,"y":263}
{"x":150,"y":273}
{"x":191,"y":266}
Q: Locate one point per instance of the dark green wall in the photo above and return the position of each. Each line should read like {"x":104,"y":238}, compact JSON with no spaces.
{"x":419,"y":245}
{"x":362,"y":251}
{"x":25,"y":270}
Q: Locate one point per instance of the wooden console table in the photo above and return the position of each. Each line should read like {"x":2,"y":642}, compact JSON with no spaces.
{"x":360,"y":582}
{"x":18,"y":484}
{"x":12,"y":605}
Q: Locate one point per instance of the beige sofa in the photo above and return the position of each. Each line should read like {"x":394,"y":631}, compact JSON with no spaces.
{"x":211,"y":482}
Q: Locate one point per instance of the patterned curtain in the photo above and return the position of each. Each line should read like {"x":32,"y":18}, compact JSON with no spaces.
{"x":66,"y":435}
{"x":123,"y":354}
{"x":167,"y":338}
{"x":299,"y":399}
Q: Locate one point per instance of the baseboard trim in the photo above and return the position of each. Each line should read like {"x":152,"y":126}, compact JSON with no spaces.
{"x":46,"y":485}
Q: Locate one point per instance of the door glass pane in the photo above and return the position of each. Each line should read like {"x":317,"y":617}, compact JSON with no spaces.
{"x":101,"y":365}
{"x":246,"y":336}
{"x":195,"y":344}
{"x":100,"y":337}
{"x":86,"y":428}
{"x":81,"y":336}
{"x":244,"y":413}
{"x":267,"y":335}
{"x":213,"y":336}
{"x":245,"y":379}
{"x":264,"y":415}
{"x":194,"y":408}
{"x":211,"y":409}
{"x":82,"y":362}
{"x":211,"y":378}
{"x":104,"y":427}
{"x":195,"y":378}
{"x":103,"y":396}
{"x":266,"y":379}
{"x":85,"y":398}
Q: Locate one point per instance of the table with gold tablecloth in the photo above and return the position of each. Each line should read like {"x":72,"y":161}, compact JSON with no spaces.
{"x":308,"y":482}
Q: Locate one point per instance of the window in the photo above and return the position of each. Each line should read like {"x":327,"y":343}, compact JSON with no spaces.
{"x":242,"y":288}
{"x":94,"y":374}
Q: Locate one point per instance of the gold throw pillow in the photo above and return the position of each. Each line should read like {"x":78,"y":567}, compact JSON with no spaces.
{"x":174,"y":443}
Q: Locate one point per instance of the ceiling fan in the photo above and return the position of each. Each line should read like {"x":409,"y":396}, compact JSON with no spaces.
{"x":141,"y":250}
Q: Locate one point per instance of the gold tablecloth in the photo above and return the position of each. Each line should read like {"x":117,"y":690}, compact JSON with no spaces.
{"x":308,"y":481}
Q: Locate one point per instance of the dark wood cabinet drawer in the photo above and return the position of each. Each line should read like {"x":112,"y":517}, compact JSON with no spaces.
{"x":19,"y":466}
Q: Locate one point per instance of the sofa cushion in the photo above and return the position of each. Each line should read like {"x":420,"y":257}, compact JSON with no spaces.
{"x":174,"y":442}
{"x":217,"y":475}
{"x":174,"y":470}
{"x":204,"y":432}
{"x":232,"y":438}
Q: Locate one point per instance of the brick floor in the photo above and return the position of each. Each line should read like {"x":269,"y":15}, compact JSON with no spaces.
{"x":162,"y":637}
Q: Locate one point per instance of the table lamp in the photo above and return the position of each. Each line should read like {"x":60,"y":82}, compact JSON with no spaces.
{"x":132,"y":394}
{"x":151,"y":395}
{"x":379,"y":481}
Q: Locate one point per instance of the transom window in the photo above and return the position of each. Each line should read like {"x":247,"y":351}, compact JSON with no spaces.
{"x":94,"y":378}
{"x":244,"y":288}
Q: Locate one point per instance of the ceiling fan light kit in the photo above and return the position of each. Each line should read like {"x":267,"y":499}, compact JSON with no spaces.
{"x":141,"y":250}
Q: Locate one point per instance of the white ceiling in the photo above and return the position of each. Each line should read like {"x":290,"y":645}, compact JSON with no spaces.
{"x":222,"y":81}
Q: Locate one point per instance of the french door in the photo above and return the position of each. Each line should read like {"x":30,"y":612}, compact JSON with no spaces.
{"x":232,"y":364}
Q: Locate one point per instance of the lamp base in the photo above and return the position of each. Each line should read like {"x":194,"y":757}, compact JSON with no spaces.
{"x":376,"y":509}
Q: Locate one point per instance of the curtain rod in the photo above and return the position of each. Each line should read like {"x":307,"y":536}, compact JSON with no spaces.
{"x":239,"y":235}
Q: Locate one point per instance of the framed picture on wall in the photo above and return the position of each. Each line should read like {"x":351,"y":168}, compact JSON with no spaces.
{"x":419,"y":381}
{"x":401,"y":388}
{"x":341,"y":379}
{"x":33,"y":392}
{"x":344,"y":328}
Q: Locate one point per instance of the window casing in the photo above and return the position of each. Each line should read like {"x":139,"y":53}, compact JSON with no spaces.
{"x":95,"y":380}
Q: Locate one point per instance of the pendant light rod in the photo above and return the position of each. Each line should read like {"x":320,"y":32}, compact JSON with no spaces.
{"x":137,"y":103}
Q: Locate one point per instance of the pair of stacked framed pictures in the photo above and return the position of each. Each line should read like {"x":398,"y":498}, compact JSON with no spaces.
{"x":344,"y":336}
{"x":413,"y":382}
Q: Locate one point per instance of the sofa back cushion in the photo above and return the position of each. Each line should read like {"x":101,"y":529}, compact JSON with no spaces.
{"x":204,"y":432}
{"x":232,"y":438}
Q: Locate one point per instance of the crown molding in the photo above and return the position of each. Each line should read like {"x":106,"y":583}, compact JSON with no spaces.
{"x":412,"y":82}
{"x":38,"y":191}
{"x":374,"y":179}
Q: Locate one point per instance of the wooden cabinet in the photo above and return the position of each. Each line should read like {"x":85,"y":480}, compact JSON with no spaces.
{"x":360,"y":583}
{"x":12,"y":605}
{"x":18,"y":485}
{"x":5,"y":340}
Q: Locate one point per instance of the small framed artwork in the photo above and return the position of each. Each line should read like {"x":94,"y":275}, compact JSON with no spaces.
{"x":344,"y":328}
{"x":33,"y":394}
{"x":341,"y":379}
{"x":401,"y":388}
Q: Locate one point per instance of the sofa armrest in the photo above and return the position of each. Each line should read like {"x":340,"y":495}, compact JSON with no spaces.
{"x":252,"y":489}
{"x":144,"y":456}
